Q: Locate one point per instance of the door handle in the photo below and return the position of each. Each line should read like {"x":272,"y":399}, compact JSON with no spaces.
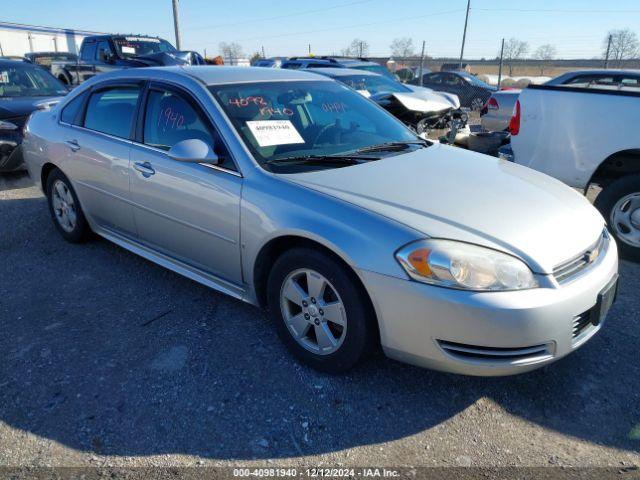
{"x":73,"y":145}
{"x":144,"y":168}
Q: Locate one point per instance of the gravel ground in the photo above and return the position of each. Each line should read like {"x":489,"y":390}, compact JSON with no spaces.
{"x":109,"y":360}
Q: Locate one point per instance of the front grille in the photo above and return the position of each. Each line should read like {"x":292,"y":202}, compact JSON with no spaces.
{"x":581,"y":323}
{"x":567,"y":270}
{"x":495,"y":354}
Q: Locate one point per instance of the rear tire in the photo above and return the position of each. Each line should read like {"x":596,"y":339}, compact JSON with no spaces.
{"x":320,"y":312}
{"x":65,"y":209}
{"x":619,"y":203}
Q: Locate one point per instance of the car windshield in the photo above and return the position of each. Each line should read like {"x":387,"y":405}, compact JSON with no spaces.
{"x":379,"y":69}
{"x":24,"y":80}
{"x":474,"y":80}
{"x":294,"y":119}
{"x":373,"y":84}
{"x":137,"y":46}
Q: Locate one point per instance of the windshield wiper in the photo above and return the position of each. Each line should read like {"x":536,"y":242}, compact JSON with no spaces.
{"x":322,"y":159}
{"x":392,"y":146}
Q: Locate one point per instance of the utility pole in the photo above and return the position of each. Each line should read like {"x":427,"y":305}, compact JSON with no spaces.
{"x":176,"y":23}
{"x":361,"y":48}
{"x":606,"y":58}
{"x":263,"y":55}
{"x":422,"y":61}
{"x":464,"y":33}
{"x":309,"y":49}
{"x":500,"y":68}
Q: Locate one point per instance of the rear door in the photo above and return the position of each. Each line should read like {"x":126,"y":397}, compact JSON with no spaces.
{"x":98,"y":148}
{"x":188,"y":211}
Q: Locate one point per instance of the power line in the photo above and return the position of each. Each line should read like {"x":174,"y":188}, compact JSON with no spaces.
{"x":277,"y":17}
{"x":551,"y":10}
{"x":307,"y":32}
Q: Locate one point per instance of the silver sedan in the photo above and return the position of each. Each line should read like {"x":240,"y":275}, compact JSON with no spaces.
{"x":293,"y":192}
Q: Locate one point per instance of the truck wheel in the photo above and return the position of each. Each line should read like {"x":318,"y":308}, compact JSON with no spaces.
{"x":619,"y":203}
{"x":320,"y":312}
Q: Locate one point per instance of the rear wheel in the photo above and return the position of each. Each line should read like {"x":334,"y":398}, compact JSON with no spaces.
{"x":619,"y":203}
{"x":65,"y":208}
{"x":320,"y":312}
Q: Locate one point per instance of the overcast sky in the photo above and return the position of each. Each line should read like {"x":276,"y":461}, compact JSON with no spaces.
{"x":286,"y":27}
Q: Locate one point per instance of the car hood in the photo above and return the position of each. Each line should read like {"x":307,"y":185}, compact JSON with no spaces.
{"x":426,"y":101}
{"x":447,"y":192}
{"x":23,"y":106}
{"x":425,"y":92}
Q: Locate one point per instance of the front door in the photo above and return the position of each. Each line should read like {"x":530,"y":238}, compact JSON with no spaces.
{"x":188,"y":211}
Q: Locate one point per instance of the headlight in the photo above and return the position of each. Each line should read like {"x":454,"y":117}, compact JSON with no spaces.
{"x":464,"y":266}
{"x":6,"y":125}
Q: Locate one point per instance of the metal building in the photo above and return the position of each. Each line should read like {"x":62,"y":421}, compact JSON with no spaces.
{"x":17,"y":39}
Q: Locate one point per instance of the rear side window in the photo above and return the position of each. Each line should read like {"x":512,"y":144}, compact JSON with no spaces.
{"x":292,"y":65}
{"x":71,"y":111}
{"x":89,"y":51}
{"x":112,"y":110}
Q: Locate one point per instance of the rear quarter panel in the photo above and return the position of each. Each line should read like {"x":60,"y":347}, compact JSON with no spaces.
{"x":567,"y":134}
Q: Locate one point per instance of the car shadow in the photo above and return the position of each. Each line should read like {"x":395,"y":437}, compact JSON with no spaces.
{"x":105,"y":352}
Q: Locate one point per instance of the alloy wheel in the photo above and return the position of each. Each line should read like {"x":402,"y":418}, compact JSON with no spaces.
{"x":313,"y":311}
{"x":64,"y":207}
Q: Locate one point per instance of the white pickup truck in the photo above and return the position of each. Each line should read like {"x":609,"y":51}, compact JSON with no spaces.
{"x":586,"y":136}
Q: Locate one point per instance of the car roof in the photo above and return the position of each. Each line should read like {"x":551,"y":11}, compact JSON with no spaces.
{"x":609,"y":71}
{"x":213,"y":75}
{"x":342,"y":72}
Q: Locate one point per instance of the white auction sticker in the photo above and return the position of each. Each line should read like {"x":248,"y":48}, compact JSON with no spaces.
{"x":4,"y":77}
{"x":274,"y":132}
{"x":129,"y":50}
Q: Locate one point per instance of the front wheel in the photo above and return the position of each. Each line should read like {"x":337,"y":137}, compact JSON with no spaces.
{"x":619,"y":203}
{"x":320,"y":313}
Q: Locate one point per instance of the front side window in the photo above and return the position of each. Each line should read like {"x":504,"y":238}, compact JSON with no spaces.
{"x":104,"y":50}
{"x":283,"y":120}
{"x":170,"y":118}
{"x":25,"y":80}
{"x":112,"y":110}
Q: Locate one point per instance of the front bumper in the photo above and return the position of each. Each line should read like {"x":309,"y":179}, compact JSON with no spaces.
{"x":486,"y":333}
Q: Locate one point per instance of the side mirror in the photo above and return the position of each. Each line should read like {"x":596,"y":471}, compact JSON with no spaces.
{"x":193,"y":150}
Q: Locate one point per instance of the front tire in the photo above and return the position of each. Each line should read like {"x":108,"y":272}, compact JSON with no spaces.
{"x":619,"y":203}
{"x":320,"y":312}
{"x":65,"y":209}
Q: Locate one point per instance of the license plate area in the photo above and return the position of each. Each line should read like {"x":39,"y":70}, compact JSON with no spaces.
{"x":606,"y":298}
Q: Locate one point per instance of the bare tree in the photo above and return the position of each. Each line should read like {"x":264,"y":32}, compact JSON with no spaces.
{"x":357,"y":48}
{"x":231,"y":52}
{"x":402,"y":47}
{"x":544,"y":53}
{"x":624,"y":45}
{"x":514,"y":50}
